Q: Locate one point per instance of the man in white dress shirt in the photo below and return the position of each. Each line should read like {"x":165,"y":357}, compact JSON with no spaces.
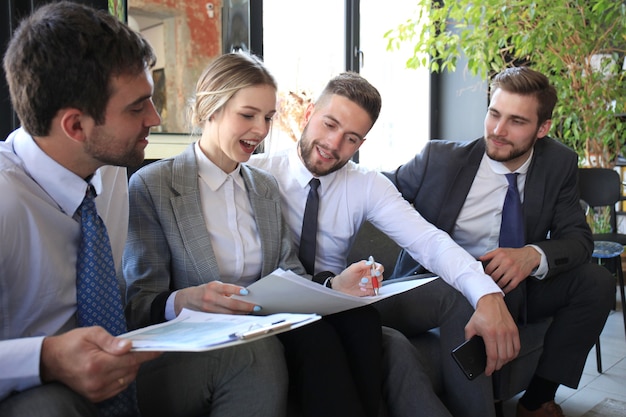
{"x":336,"y":126}
{"x":73,"y":124}
{"x":81,"y":85}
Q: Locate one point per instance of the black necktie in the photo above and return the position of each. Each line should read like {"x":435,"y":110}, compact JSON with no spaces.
{"x":308,"y":237}
{"x":512,"y":228}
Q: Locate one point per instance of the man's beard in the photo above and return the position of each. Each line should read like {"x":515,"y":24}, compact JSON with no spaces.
{"x":97,"y":147}
{"x":513,"y":154}
{"x":306,"y":156}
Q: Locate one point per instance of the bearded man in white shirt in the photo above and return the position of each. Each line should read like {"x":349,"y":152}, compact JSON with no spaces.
{"x":335,"y":128}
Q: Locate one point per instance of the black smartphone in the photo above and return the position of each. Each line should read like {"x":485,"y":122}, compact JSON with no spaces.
{"x":471,"y":357}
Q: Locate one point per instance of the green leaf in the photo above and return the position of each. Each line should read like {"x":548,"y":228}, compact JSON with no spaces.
{"x":556,"y":37}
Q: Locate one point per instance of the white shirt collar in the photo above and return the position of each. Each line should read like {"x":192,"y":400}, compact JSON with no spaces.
{"x":500,"y":168}
{"x":62,"y":185}
{"x":303,"y":175}
{"x":212,"y":175}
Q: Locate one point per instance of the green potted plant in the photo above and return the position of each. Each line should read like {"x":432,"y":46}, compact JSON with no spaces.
{"x":579,"y":44}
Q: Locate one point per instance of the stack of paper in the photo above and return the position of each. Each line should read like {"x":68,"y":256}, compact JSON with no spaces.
{"x":288,"y":301}
{"x":285,"y":292}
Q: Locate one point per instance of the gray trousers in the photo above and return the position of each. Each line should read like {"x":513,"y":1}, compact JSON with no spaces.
{"x":409,"y":389}
{"x":48,"y":400}
{"x":245,"y":380}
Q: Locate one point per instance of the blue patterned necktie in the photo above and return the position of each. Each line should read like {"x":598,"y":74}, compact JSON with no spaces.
{"x":98,"y":296}
{"x":308,"y":237}
{"x":512,"y":228}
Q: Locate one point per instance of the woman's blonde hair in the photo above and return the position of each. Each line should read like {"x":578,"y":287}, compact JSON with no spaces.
{"x":222,"y":79}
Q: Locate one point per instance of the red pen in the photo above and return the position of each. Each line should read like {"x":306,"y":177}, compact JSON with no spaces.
{"x":375,"y":282}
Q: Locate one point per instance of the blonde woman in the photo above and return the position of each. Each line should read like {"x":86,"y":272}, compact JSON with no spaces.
{"x":203,"y":226}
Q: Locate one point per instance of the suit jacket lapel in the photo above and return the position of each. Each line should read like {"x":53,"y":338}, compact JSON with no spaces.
{"x":533,"y":202}
{"x":460,"y":186}
{"x":188,"y":215}
{"x":267,"y":216}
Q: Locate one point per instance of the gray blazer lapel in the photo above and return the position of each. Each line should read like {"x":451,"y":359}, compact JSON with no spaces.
{"x":188,"y":215}
{"x":267,"y":215}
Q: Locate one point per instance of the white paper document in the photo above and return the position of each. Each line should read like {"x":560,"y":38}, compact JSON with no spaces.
{"x":285,"y":292}
{"x":194,"y":331}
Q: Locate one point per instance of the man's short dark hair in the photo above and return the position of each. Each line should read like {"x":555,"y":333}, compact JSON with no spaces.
{"x":65,"y":55}
{"x":357,"y":89}
{"x":525,"y":81}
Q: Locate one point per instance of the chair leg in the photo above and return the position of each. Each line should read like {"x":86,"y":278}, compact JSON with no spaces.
{"x":620,"y":280}
{"x":598,"y":356}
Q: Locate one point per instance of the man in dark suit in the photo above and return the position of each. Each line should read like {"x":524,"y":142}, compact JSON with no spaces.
{"x":460,"y":187}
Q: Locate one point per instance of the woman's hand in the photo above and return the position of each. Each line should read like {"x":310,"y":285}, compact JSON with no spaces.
{"x":357,"y":278}
{"x":214,"y":297}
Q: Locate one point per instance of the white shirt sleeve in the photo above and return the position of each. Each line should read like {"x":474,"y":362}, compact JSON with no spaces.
{"x":170,"y":310}
{"x":542,"y":270}
{"x":19,"y":361}
{"x":430,"y":246}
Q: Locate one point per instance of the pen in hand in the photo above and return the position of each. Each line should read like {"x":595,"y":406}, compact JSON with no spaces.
{"x":375,"y":282}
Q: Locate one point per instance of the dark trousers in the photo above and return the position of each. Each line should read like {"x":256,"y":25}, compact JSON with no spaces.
{"x":335,"y":364}
{"x":579,"y":302}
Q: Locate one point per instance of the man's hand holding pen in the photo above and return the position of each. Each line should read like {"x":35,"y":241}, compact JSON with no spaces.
{"x":358,"y":279}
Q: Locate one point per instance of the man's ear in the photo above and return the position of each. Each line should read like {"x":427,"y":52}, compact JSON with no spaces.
{"x":74,"y":124}
{"x":308,"y":113}
{"x":544,"y":128}
{"x":359,"y":145}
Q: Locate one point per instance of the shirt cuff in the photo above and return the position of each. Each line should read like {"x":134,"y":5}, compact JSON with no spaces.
{"x":542,"y":270}
{"x":473,"y":283}
{"x":170,"y":310}
{"x":20,"y":361}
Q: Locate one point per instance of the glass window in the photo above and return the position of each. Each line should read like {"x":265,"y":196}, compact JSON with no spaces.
{"x":403,"y":126}
{"x":304,"y":44}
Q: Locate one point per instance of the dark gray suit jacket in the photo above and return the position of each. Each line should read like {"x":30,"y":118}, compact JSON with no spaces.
{"x":438,"y":180}
{"x":169,"y":247}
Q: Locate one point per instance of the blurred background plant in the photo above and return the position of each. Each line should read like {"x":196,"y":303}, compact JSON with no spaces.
{"x":578,"y":44}
{"x":292,"y":106}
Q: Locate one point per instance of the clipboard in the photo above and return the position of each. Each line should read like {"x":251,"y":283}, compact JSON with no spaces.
{"x":256,"y":331}
{"x":195,"y":331}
